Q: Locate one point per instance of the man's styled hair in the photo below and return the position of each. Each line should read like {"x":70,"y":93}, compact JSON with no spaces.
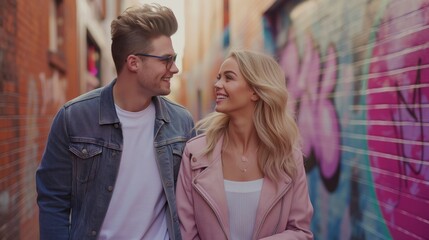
{"x":134,"y":29}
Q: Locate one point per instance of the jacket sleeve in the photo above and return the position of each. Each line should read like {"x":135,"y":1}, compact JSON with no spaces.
{"x":301,"y":213}
{"x":185,"y":200}
{"x":53,"y":183}
{"x":191,"y":124}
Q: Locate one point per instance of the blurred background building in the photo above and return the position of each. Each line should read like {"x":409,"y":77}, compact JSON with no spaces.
{"x":50,"y":52}
{"x":357,"y":72}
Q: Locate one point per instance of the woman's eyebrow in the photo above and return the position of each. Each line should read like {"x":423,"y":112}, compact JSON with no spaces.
{"x":230,"y":72}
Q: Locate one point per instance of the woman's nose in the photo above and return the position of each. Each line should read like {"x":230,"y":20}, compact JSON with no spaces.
{"x":217,"y":84}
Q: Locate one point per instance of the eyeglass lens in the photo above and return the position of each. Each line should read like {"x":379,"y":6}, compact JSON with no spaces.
{"x":170,"y":61}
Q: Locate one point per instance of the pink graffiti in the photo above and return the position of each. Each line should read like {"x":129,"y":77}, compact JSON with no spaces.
{"x":311,"y":84}
{"x":398,"y":97}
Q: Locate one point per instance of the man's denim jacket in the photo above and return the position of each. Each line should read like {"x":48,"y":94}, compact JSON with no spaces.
{"x":77,"y":174}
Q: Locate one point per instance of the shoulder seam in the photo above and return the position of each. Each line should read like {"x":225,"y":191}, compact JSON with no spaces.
{"x":171,"y":102}
{"x":196,"y":137}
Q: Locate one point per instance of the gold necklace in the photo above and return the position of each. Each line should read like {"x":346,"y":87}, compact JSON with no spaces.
{"x":243,"y":164}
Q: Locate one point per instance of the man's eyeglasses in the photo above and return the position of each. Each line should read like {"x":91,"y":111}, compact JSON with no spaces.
{"x":168,"y":59}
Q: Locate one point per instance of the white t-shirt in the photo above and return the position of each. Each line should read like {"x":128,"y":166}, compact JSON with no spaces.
{"x":243,"y":199}
{"x":138,"y":205}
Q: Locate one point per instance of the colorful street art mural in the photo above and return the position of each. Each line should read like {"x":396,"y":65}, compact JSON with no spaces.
{"x":399,"y":78}
{"x":358,"y":77}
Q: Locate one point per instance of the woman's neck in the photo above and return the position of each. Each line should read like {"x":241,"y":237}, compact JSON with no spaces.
{"x":242,"y":136}
{"x":240,"y":152}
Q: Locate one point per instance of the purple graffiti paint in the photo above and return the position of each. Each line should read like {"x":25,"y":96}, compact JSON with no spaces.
{"x":398,"y":118}
{"x":311,"y":84}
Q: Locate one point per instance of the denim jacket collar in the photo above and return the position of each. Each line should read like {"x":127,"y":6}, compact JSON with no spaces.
{"x":107,"y":106}
{"x":160,"y":109}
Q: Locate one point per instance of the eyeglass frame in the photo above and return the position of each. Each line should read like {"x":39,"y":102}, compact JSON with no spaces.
{"x":168,"y":59}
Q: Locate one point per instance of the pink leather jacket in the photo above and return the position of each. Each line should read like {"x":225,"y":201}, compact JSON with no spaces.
{"x":284,"y":210}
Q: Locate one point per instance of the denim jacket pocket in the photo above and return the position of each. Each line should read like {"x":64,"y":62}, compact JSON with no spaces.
{"x":86,"y":157}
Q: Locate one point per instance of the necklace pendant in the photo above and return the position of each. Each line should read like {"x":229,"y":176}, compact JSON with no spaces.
{"x":243,"y":164}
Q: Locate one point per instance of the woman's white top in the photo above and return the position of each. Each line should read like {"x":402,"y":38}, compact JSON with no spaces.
{"x":243,"y":199}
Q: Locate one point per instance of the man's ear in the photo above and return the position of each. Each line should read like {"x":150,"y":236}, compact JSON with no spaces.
{"x":132,"y":63}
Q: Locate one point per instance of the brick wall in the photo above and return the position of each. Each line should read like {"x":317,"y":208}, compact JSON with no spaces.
{"x":32,"y":88}
{"x":37,"y":76}
{"x":9,"y":107}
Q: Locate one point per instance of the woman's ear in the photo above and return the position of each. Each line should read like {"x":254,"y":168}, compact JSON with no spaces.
{"x":254,"y":97}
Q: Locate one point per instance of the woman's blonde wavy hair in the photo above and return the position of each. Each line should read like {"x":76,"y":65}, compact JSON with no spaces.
{"x":275,"y":126}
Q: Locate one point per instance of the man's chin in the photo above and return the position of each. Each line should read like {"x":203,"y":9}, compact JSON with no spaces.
{"x":165,"y":92}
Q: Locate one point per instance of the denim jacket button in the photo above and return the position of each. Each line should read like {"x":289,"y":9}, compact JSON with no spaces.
{"x":116,"y":125}
{"x":110,"y":188}
{"x":93,"y":233}
{"x":84,"y":151}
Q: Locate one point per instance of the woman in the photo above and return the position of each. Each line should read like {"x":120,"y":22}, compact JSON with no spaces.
{"x":244,"y":177}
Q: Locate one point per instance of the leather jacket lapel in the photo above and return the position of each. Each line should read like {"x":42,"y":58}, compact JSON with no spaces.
{"x":271,"y":193}
{"x":209,"y":183}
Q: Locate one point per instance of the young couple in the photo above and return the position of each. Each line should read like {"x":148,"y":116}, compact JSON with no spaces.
{"x":123,"y":162}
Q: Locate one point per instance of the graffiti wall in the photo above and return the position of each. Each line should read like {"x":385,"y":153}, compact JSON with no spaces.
{"x":358,"y":75}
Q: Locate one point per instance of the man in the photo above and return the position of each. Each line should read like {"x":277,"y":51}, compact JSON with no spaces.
{"x":110,"y":165}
